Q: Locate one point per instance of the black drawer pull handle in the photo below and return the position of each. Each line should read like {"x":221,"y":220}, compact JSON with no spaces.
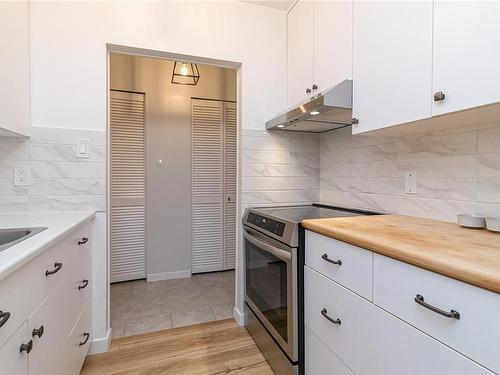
{"x":4,"y":316}
{"x":324,"y":312}
{"x":337,"y":262}
{"x":83,"y":241}
{"x":87,"y":336}
{"x":451,"y":314}
{"x":57,"y":267}
{"x":38,"y":332}
{"x":85,"y":282}
{"x":26,"y":347}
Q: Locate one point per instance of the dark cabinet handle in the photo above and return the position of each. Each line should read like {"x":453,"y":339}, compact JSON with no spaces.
{"x":87,"y":336}
{"x":38,"y":332}
{"x":26,"y":347}
{"x":451,"y":314}
{"x":57,"y":267}
{"x":315,"y":87}
{"x":4,"y":316}
{"x":337,"y":262}
{"x":83,"y":241}
{"x":355,"y":121}
{"x":85,"y":282}
{"x":438,"y":96}
{"x":324,"y":312}
{"x":308,"y":90}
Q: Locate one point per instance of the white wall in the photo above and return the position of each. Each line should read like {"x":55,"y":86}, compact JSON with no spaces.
{"x":68,"y":52}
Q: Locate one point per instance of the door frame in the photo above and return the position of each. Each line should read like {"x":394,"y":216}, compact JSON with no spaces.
{"x":104,"y":300}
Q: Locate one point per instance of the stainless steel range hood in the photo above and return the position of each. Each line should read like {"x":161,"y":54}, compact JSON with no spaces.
{"x":329,"y":110}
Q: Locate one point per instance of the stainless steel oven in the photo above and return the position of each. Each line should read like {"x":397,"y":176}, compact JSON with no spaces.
{"x":271,"y":284}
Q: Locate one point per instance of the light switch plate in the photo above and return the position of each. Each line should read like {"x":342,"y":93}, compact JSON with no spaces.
{"x":22,"y":175}
{"x":411,"y":182}
{"x":83,"y":148}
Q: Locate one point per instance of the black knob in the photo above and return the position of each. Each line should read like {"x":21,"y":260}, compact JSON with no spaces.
{"x":308,"y":90}
{"x":315,"y":87}
{"x":355,"y":121}
{"x":438,"y":96}
{"x":4,"y":316}
{"x":37,"y":332}
{"x":26,"y":347}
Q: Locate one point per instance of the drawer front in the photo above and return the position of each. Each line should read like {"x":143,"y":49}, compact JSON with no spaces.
{"x":371,"y":341}
{"x":476,"y":334}
{"x":79,"y":341}
{"x":78,"y":286}
{"x":12,"y":360}
{"x":355,"y":270}
{"x":320,"y":360}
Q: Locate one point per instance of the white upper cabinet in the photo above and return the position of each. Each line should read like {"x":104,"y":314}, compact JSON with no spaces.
{"x":466,"y":54}
{"x":392,"y":63}
{"x":332,"y":43}
{"x":319,"y":47}
{"x":14,"y":68}
{"x":300,"y":52}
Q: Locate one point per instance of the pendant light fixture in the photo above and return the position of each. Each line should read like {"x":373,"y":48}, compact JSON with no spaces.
{"x":185,"y":73}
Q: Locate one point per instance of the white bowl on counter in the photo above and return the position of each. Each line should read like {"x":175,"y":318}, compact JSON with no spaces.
{"x":471,"y":221}
{"x":493,"y":224}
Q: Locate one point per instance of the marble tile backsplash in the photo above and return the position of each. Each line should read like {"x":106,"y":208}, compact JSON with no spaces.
{"x":59,"y":180}
{"x":458,"y":171}
{"x":279,"y":168}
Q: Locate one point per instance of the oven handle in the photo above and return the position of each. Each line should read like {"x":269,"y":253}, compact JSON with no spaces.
{"x":279,"y":253}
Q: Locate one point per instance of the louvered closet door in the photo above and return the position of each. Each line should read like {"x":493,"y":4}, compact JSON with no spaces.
{"x":208,"y":182}
{"x":230,"y":185}
{"x":127,"y":179}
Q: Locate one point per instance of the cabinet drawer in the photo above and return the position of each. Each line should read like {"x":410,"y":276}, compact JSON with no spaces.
{"x":12,"y":360}
{"x":355,"y":270}
{"x":320,"y":360}
{"x":79,"y":341}
{"x":475,"y":334}
{"x":371,"y":341}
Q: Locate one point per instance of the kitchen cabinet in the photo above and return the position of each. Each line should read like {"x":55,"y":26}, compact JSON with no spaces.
{"x":13,"y":361}
{"x":392,"y":63}
{"x":319,"y":47}
{"x":14,"y":68}
{"x":466,"y":57}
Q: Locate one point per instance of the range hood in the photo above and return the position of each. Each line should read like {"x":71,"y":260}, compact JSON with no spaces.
{"x":326,"y":111}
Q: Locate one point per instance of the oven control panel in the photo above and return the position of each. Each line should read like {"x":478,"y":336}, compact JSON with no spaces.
{"x":273,"y":226}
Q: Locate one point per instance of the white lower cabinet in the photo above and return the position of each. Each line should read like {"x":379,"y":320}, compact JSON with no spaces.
{"x":371,"y":341}
{"x":13,"y":361}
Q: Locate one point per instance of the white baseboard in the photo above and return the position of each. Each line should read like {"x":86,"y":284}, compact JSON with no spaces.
{"x":169,"y":275}
{"x":239,"y":317}
{"x":100,"y":345}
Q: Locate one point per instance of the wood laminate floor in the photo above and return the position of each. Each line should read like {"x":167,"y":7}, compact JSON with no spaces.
{"x":219,"y":347}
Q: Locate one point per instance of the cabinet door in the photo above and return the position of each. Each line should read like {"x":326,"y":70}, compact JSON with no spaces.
{"x":392,"y":63}
{"x":14,"y":67}
{"x":332,"y":43}
{"x":12,"y":360}
{"x":466,"y":54}
{"x":300,"y":51}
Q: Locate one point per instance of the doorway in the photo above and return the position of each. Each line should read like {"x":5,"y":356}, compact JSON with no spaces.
{"x":175,"y":265}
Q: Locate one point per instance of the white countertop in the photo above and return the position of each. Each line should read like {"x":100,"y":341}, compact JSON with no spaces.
{"x":58,"y":225}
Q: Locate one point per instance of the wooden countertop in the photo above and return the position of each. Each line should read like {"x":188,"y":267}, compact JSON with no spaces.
{"x":469,"y":255}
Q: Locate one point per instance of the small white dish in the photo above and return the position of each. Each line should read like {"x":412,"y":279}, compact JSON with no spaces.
{"x":471,"y":221}
{"x":493,"y":224}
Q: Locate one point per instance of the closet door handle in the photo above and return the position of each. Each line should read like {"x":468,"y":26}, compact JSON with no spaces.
{"x":438,"y":96}
{"x":452,"y":314}
{"x":57,"y":267}
{"x":4,"y":316}
{"x":324,"y":312}
{"x":83,"y":241}
{"x":38,"y":332}
{"x":85,"y":282}
{"x":26,"y":347}
{"x":87,"y":336}
{"x":337,"y":262}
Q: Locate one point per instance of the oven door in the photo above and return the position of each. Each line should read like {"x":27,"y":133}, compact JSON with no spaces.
{"x":271,"y":287}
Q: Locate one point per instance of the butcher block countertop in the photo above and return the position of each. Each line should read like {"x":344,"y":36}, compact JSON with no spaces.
{"x":469,"y":255}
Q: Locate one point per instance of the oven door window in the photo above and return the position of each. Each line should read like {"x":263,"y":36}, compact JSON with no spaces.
{"x":267,"y":286}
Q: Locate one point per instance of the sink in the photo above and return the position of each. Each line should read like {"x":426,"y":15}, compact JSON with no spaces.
{"x":11,"y":236}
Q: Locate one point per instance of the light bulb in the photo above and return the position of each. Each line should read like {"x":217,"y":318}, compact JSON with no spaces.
{"x":281,"y":126}
{"x":314,"y":113}
{"x":184,"y":69}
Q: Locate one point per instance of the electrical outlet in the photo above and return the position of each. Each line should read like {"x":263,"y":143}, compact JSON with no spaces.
{"x":411,"y":182}
{"x":21,"y":175}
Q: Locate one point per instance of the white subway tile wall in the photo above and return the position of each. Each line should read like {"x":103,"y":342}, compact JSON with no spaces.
{"x":458,"y":171}
{"x":59,"y":180}
{"x":279,"y":168}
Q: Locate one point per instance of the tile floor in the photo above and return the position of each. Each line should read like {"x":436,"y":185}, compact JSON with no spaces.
{"x":140,"y":306}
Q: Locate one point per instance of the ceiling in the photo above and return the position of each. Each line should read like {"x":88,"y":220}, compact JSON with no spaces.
{"x":276,"y":4}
